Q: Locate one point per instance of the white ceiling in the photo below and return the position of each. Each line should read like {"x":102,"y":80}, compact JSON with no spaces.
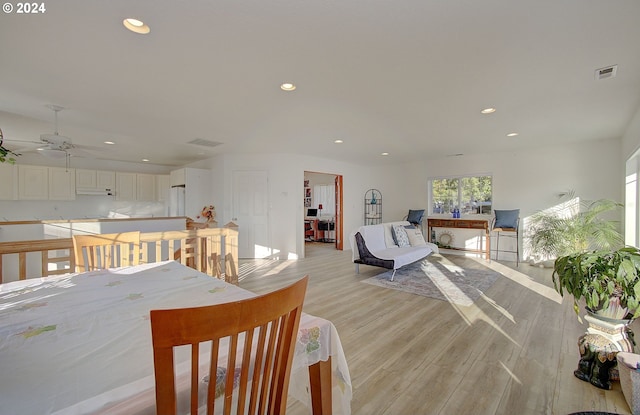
{"x":408,"y":77}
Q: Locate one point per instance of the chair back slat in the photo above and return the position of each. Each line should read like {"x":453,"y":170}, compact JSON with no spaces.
{"x":107,"y":250}
{"x":231,"y":330}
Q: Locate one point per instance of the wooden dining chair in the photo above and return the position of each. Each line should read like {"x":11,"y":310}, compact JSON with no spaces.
{"x":255,"y":356}
{"x":107,"y":250}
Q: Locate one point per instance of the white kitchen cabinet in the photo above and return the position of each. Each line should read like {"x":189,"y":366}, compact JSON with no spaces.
{"x":163,"y":185}
{"x":178,"y":177}
{"x":105,"y":180}
{"x":62,"y":183}
{"x":33,"y":182}
{"x":86,"y":179}
{"x":126,"y":186}
{"x":146,"y":187}
{"x":95,"y":179}
{"x":8,"y":181}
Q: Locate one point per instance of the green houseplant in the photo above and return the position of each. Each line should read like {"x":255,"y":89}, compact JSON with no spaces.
{"x":608,"y":280}
{"x":6,"y":155}
{"x":576,"y":227}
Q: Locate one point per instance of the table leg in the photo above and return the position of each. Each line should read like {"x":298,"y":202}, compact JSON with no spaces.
{"x":320,"y":381}
{"x":488,"y":238}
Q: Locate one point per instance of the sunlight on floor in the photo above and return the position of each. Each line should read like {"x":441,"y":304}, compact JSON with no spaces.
{"x":473,"y":314}
{"x":266,"y":267}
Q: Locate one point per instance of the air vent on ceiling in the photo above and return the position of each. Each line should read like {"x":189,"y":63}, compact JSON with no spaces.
{"x":608,"y":72}
{"x":203,"y":142}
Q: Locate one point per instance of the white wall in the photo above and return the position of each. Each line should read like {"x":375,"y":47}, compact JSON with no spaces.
{"x":631,"y":138}
{"x":286,"y":201}
{"x":530,"y":180}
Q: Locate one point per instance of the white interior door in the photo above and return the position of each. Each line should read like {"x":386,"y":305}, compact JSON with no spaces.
{"x":251,"y":213}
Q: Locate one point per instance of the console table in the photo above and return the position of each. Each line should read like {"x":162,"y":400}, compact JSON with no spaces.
{"x":480,"y":224}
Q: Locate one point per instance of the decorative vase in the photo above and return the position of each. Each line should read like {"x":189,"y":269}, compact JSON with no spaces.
{"x":598,"y":347}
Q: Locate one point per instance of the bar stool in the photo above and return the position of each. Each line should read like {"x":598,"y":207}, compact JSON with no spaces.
{"x":507,"y":223}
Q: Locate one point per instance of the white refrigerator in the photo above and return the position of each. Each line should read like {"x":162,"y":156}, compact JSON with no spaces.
{"x":177,"y":201}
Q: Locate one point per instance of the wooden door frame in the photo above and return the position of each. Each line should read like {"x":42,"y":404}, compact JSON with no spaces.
{"x":339,"y":229}
{"x":339,"y":221}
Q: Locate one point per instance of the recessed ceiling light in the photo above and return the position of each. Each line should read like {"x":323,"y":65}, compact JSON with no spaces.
{"x":288,"y":87}
{"x":512,"y":134}
{"x":488,"y":110}
{"x":384,"y":154}
{"x":338,"y":141}
{"x":136,"y":26}
{"x":109,"y":142}
{"x":145,"y":160}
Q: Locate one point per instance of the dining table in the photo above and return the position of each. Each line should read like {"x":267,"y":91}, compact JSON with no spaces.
{"x":80,"y":343}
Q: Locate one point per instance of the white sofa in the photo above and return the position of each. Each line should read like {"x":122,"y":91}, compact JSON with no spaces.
{"x":376,"y":246}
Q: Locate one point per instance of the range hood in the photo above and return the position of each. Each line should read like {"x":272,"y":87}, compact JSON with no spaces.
{"x":95,"y":192}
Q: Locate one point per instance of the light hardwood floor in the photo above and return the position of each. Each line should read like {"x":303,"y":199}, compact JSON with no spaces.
{"x":512,"y":352}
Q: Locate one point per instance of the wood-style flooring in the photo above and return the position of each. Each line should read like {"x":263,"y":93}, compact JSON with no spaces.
{"x":512,"y":352}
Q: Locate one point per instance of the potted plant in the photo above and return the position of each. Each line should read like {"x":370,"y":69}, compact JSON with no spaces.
{"x":5,"y":153}
{"x":608,"y":280}
{"x":573,"y":227}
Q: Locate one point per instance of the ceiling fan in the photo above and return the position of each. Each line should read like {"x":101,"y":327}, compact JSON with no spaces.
{"x":54,"y":145}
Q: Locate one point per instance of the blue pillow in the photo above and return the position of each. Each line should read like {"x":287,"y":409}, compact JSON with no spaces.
{"x":415,"y":216}
{"x":507,"y":218}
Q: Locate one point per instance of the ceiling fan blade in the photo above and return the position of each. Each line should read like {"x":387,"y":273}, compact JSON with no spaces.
{"x":52,"y":153}
{"x":23,"y":142}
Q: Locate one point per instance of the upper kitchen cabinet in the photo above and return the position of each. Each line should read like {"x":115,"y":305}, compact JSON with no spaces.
{"x":146,"y":187}
{"x":86,"y":179}
{"x":33,"y":182}
{"x":126,"y":186}
{"x":178,"y":177}
{"x":132,"y":186}
{"x":46,"y":183}
{"x":95,"y":181}
{"x":105,"y":180}
{"x":163,"y":184}
{"x":8,"y":181}
{"x":62,"y":183}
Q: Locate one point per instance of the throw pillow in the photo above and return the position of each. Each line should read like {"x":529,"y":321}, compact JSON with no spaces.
{"x":415,"y":216}
{"x":507,"y":218}
{"x":401,"y":236}
{"x":415,"y":236}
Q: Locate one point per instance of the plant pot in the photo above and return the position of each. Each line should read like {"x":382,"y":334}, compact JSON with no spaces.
{"x":599,"y":346}
{"x":604,"y":316}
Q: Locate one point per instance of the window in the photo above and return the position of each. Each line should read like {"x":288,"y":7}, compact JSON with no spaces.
{"x":325,"y":195}
{"x":470,"y":194}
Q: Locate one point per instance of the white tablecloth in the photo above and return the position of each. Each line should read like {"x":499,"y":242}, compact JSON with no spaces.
{"x":81,"y":343}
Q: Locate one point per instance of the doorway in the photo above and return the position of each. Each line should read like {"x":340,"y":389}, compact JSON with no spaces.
{"x":323,"y":230}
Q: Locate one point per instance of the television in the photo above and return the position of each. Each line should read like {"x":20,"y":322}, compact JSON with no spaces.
{"x":312,"y":213}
